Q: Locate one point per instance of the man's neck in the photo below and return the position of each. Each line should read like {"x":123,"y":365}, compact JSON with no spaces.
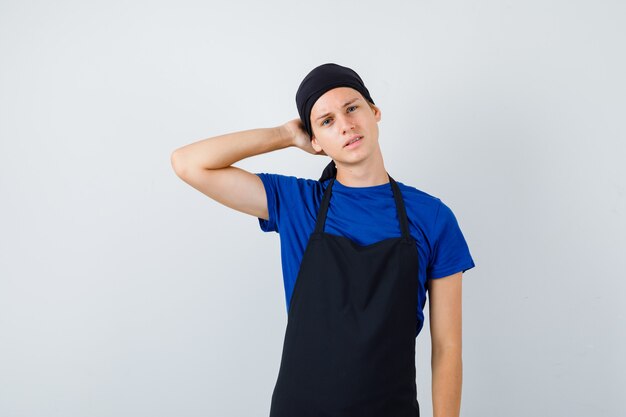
{"x":363,"y":175}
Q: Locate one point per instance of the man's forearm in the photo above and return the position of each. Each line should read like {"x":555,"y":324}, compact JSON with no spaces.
{"x":447,"y":374}
{"x":223,"y":151}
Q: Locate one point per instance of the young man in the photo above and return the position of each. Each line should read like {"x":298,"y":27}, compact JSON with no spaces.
{"x":359,"y":253}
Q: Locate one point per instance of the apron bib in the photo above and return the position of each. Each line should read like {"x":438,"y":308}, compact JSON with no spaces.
{"x":349,"y":348}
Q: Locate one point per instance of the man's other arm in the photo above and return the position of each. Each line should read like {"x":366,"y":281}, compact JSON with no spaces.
{"x":445,"y":329}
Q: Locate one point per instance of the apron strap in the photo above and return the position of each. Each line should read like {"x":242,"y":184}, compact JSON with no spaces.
{"x":397,"y":195}
{"x":321,"y":214}
{"x":402,"y":217}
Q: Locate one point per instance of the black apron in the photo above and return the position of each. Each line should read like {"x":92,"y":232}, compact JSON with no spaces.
{"x":349,"y":348}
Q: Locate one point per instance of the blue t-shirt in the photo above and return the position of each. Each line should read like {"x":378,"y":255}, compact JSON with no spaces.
{"x":365,"y":215}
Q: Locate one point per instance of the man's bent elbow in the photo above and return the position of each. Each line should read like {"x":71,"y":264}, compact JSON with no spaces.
{"x":178,"y":164}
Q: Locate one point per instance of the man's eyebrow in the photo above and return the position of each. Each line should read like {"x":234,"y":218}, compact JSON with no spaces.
{"x":347,"y":103}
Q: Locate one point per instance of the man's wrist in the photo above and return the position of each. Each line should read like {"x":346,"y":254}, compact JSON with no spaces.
{"x":285,"y":136}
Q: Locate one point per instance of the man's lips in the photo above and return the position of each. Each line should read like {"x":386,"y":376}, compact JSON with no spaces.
{"x":351,"y":139}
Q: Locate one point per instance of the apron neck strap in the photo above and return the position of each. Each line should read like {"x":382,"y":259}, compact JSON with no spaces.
{"x":397,"y":195}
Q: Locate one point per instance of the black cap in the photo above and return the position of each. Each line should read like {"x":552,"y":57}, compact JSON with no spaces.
{"x":320,"y":80}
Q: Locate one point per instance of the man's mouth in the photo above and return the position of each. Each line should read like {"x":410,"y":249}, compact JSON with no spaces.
{"x":351,"y":141}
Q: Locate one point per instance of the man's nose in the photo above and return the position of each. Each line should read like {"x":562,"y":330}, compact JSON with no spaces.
{"x":347,"y":124}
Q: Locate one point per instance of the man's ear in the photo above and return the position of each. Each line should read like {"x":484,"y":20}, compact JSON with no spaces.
{"x":315,"y":144}
{"x":376,"y":111}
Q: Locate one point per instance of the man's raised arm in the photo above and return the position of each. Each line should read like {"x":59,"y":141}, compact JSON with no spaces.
{"x":206,"y":165}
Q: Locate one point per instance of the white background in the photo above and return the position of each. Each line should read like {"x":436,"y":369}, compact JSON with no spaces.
{"x":125,"y":292}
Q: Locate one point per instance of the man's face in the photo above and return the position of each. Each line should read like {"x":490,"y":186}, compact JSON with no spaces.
{"x":340,"y":115}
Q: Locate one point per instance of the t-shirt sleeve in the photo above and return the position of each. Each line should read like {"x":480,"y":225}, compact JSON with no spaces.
{"x":271,"y":192}
{"x":450,"y":252}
